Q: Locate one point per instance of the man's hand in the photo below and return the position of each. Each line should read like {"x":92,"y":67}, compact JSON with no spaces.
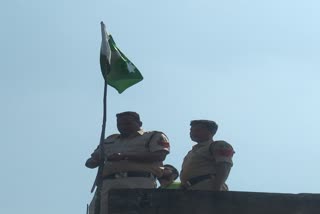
{"x":92,"y":163}
{"x":141,"y":156}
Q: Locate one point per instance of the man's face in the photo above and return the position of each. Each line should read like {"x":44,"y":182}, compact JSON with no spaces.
{"x":199,"y":133}
{"x":127,"y":125}
{"x":168,"y":176}
{"x":168,"y":172}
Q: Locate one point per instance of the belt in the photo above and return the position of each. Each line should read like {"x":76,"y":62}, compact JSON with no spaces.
{"x":195,"y":180}
{"x":128,"y":174}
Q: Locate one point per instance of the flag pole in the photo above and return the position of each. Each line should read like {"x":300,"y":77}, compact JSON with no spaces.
{"x":98,"y":180}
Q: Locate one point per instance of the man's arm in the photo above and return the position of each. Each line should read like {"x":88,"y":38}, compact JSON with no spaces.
{"x":94,"y":160}
{"x":222,"y":173}
{"x":141,"y":156}
{"x":222,"y":153}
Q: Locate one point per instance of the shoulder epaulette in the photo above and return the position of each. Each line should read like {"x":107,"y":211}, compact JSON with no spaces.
{"x":222,"y":143}
{"x":152,"y":134}
{"x":111,"y":138}
{"x":218,"y":144}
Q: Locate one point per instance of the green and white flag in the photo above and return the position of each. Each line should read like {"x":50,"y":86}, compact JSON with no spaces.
{"x":116,"y":68}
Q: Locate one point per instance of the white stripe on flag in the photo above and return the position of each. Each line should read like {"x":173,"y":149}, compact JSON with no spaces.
{"x":105,"y":47}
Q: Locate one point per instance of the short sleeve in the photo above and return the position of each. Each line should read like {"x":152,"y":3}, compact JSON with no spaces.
{"x":222,"y":152}
{"x":158,"y":142}
{"x":96,"y":154}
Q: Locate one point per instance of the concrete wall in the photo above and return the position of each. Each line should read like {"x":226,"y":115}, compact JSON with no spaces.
{"x":142,"y":201}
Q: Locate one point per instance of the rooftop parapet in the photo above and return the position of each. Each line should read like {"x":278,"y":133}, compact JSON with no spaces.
{"x":156,"y":201}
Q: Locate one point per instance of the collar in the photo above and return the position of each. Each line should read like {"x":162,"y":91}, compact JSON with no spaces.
{"x":140,"y":132}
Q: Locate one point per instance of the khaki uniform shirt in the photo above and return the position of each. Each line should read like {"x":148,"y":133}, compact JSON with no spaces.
{"x":142,"y":142}
{"x":203,"y":157}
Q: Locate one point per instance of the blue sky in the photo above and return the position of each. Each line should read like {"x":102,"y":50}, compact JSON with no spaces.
{"x":251,"y":66}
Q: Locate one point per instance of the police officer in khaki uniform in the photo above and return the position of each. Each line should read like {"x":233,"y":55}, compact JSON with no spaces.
{"x":207,"y":165}
{"x":132,"y":159}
